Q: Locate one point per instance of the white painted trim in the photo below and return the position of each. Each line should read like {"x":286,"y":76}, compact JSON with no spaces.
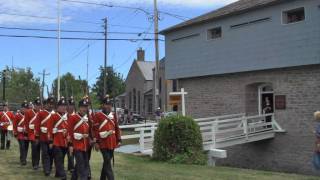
{"x":288,"y":9}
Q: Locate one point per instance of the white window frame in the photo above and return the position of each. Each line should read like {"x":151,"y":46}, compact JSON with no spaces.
{"x":289,"y":9}
{"x":260,"y":93}
{"x":213,"y":39}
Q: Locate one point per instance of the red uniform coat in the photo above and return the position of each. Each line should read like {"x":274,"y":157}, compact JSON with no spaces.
{"x":19,"y":127}
{"x":31,"y":120}
{"x":78,"y":124}
{"x":6,"y":119}
{"x":43,"y":121}
{"x":110,"y":142}
{"x":58,"y":129}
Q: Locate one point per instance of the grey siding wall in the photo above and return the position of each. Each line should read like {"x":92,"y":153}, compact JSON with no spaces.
{"x":258,"y":46}
{"x":234,"y":93}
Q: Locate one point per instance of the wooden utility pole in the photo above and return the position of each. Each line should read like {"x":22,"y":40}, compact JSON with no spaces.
{"x":105,"y":56}
{"x":4,"y":74}
{"x":87,"y":78}
{"x":59,"y":36}
{"x":156,"y":41}
{"x":44,"y":74}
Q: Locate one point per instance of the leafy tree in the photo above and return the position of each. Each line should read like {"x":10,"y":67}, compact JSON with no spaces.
{"x":70,"y":86}
{"x":115,"y":83}
{"x":20,"y":85}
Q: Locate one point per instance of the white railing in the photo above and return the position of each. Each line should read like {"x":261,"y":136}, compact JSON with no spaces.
{"x":214,"y":130}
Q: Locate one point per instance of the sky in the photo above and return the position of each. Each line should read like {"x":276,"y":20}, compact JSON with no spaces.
{"x":40,"y":54}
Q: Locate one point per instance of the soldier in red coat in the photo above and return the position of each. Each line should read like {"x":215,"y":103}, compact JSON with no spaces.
{"x":107,"y":135}
{"x":31,"y":117}
{"x":42,"y":126}
{"x":79,"y":134}
{"x":20,"y":132}
{"x":71,"y":111}
{"x":6,"y":126}
{"x":58,"y":130}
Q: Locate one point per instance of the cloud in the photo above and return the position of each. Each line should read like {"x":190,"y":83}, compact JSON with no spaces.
{"x":47,"y":8}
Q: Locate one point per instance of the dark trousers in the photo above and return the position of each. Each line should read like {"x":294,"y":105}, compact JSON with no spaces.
{"x":5,"y":141}
{"x":89,"y":157}
{"x":47,"y":157}
{"x":59,"y":156}
{"x":23,"y":147}
{"x":107,"y":172}
{"x":70,"y":162}
{"x":35,"y":155}
{"x":82,"y":166}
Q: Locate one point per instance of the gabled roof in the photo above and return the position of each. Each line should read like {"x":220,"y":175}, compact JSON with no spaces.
{"x":146,"y":69}
{"x":235,"y":8}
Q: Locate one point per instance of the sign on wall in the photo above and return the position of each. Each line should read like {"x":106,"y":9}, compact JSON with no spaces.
{"x":280,"y":102}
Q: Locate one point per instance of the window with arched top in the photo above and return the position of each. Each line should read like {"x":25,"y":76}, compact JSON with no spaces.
{"x":134,"y":100}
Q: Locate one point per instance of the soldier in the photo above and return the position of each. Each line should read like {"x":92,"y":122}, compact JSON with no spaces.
{"x":44,"y":135}
{"x":108,"y":137}
{"x":6,"y":126}
{"x":31,"y":117}
{"x":20,"y":132}
{"x":58,"y":132}
{"x":79,"y":131}
{"x":71,"y":111}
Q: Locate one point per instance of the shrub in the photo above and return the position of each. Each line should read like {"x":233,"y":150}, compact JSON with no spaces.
{"x":178,"y":140}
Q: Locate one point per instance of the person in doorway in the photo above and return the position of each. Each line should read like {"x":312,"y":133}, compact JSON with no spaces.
{"x":6,"y":125}
{"x":316,"y":156}
{"x":158,"y":115}
{"x":268,"y":110}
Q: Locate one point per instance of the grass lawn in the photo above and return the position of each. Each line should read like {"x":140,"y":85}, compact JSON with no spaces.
{"x":129,"y":167}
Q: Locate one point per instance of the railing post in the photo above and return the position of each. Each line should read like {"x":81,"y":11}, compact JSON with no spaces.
{"x":141,"y":140}
{"x":245,"y":127}
{"x":214,"y":130}
{"x":152,"y":132}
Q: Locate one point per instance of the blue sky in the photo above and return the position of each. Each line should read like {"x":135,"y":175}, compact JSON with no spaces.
{"x":41,"y":54}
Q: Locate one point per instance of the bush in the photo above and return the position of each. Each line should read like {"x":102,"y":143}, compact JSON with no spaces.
{"x":178,"y":140}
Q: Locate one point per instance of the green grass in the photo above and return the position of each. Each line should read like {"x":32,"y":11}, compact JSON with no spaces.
{"x":129,"y":167}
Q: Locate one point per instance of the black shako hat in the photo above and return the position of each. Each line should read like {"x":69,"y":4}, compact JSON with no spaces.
{"x":62,"y":102}
{"x":37,"y":102}
{"x":25,"y":104}
{"x":84,"y":102}
{"x":71,"y":101}
{"x":50,"y":100}
{"x":107,"y":100}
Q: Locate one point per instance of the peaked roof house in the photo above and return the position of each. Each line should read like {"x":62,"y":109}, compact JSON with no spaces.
{"x":139,"y":86}
{"x":249,"y":56}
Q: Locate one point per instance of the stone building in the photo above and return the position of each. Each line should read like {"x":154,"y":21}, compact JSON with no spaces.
{"x":235,"y":59}
{"x":139,"y":86}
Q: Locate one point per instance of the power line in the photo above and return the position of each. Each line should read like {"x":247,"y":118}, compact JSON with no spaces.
{"x":73,"y":31}
{"x":175,"y":15}
{"x":81,"y":38}
{"x":108,"y":5}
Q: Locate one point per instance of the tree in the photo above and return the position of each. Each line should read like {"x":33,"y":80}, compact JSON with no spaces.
{"x":115,"y":83}
{"x":20,"y":85}
{"x":70,"y":86}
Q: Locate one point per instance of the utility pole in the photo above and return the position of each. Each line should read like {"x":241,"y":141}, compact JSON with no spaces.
{"x":4,"y":74}
{"x":88,"y":69}
{"x":59,"y":37}
{"x":156,"y":41}
{"x":105,"y":56}
{"x":44,"y":74}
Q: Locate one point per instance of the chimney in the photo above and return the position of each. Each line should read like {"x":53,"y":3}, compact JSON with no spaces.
{"x":140,"y":54}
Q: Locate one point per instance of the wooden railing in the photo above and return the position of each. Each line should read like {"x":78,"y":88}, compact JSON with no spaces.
{"x":217,"y":132}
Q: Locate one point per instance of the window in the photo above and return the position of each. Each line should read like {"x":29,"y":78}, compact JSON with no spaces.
{"x":134,"y":101}
{"x":139,"y":103}
{"x":160,"y":85}
{"x":174,"y":85}
{"x":150,"y":106}
{"x":214,"y":33}
{"x":130,"y":100}
{"x":292,"y":16}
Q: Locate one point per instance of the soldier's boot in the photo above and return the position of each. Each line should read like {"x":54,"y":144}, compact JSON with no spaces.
{"x":8,"y":144}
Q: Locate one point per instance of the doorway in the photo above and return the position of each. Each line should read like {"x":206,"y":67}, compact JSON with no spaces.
{"x":266,"y":99}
